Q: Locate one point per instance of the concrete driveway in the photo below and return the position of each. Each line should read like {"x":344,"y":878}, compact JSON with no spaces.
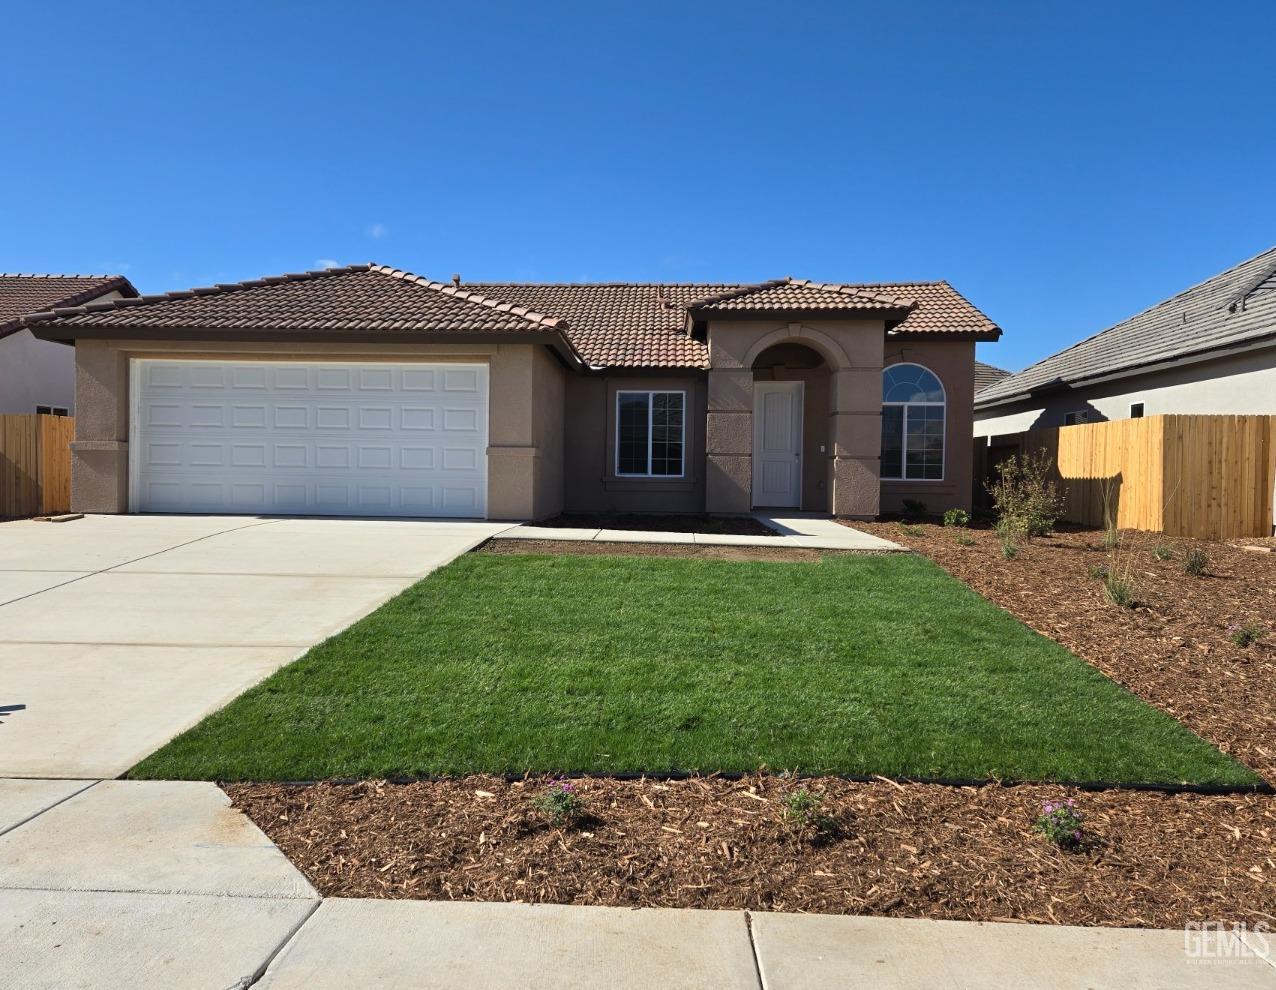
{"x":119,"y":632}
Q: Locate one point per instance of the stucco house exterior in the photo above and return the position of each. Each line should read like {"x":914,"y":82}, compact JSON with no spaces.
{"x":367,"y":390}
{"x":1209,"y":349}
{"x":39,"y":375}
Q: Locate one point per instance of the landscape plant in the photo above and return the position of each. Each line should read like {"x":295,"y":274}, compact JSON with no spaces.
{"x":956,"y":518}
{"x":1196,"y":562}
{"x":802,"y":812}
{"x":1163,"y":552}
{"x":1024,"y":493}
{"x":1062,"y":824}
{"x":560,"y":804}
{"x":1245,"y":634}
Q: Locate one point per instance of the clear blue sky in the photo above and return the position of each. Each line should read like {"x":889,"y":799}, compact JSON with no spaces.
{"x":1062,"y":165}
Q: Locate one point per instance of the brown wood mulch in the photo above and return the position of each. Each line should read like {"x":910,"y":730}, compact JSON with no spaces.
{"x":917,"y":850}
{"x":1172,"y":649}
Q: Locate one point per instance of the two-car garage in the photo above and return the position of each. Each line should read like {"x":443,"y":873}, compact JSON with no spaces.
{"x":308,"y":438}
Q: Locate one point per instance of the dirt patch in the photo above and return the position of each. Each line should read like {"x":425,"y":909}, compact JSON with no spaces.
{"x":1173,"y":649}
{"x":915,"y":850}
{"x":673,"y":523}
{"x":590,"y":548}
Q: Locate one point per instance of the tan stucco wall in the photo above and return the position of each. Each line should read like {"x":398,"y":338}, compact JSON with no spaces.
{"x":591,"y":483}
{"x":853,"y":352}
{"x":954,"y":364}
{"x":524,"y":430}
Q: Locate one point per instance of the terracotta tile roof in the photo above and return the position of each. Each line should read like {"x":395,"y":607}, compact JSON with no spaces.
{"x":939,"y":309}
{"x":1234,"y":308}
{"x":356,"y":297}
{"x":620,"y":324}
{"x":24,"y":294}
{"x":987,"y":374}
{"x":799,"y":294}
{"x":608,"y":325}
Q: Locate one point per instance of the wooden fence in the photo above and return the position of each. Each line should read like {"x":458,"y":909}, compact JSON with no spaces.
{"x":1208,"y":477}
{"x":35,"y":465}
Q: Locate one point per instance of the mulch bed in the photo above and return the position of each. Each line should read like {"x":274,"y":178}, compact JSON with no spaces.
{"x":1172,"y":649}
{"x":916,"y":850}
{"x":591,"y":548}
{"x":658,"y":523}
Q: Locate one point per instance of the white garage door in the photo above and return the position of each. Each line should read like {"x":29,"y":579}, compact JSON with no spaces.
{"x":309,"y":438}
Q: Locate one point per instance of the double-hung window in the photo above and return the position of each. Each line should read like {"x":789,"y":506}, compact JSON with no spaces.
{"x":650,"y":434}
{"x":912,"y":424}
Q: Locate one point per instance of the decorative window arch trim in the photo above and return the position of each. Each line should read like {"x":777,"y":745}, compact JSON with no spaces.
{"x":923,"y":419}
{"x":824,"y":345}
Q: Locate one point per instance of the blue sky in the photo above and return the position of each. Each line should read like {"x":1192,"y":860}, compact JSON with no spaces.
{"x":1064,"y":165}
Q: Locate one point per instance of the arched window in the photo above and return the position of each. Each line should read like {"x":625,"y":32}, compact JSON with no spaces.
{"x":912,"y":424}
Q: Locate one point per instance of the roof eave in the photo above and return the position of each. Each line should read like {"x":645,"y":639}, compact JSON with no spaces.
{"x":117,"y":283}
{"x":1147,"y":367}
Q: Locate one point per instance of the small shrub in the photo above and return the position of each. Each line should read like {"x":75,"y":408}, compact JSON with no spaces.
{"x":914,"y":509}
{"x":965,"y":539}
{"x":1062,"y":824}
{"x":1246,"y":633}
{"x":959,"y":518}
{"x":1023,"y":492}
{"x":1011,"y":533}
{"x":801,"y":813}
{"x":1119,"y":590}
{"x":1111,"y":538}
{"x":560,"y":804}
{"x":1196,"y":563}
{"x":1099,"y":572}
{"x":910,"y":530}
{"x":1162,"y":552}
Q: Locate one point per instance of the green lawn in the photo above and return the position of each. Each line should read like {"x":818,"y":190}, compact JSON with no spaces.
{"x":873,"y":664}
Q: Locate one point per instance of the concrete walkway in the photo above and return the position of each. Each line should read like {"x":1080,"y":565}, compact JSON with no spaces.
{"x":119,"y":632}
{"x":127,"y":883}
{"x":809,"y":530}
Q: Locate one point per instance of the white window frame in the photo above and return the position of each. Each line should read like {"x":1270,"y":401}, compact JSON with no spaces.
{"x":651,"y":393}
{"x":903,"y":455}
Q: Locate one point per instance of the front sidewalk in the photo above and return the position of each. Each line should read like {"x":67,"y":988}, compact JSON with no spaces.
{"x":805,"y":530}
{"x":129,"y":883}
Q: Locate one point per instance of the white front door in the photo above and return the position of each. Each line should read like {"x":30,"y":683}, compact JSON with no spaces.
{"x":777,"y":444}
{"x":320,"y":438}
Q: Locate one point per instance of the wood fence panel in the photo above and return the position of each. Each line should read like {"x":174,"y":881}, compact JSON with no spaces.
{"x":56,"y":434}
{"x":35,"y":464}
{"x":1209,"y":477}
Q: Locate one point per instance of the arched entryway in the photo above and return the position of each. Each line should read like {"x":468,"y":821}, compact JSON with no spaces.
{"x":791,"y":442}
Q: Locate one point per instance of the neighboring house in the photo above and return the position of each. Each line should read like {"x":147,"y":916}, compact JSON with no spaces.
{"x":38,"y":375}
{"x":987,"y":374}
{"x":367,"y":390}
{"x":1210,"y":349}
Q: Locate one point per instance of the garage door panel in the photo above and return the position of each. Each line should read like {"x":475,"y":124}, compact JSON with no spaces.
{"x":310,"y":438}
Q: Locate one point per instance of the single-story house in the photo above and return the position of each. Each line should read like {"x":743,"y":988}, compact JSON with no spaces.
{"x":38,"y":376}
{"x":1209,"y":349}
{"x":367,"y":390}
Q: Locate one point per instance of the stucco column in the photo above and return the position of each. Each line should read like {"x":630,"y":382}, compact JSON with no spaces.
{"x":729,"y":441}
{"x":99,"y":452}
{"x":856,"y":429}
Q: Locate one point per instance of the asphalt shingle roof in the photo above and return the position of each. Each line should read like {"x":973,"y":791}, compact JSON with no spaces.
{"x":1234,"y":307}
{"x":988,"y":374}
{"x":24,"y":294}
{"x":609,"y":325}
